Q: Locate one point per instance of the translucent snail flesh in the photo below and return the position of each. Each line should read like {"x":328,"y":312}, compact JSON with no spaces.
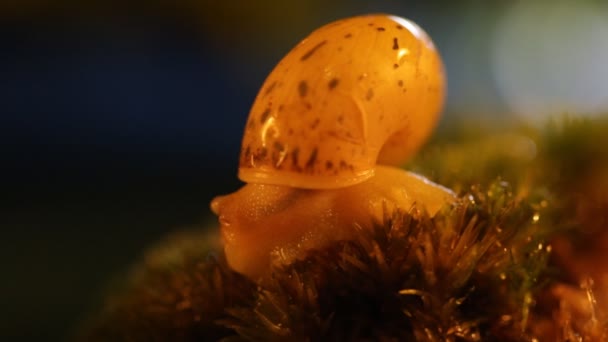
{"x":353,"y":96}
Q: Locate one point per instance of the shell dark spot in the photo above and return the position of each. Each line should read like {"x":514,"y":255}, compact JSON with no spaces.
{"x":315,"y":123}
{"x":312,"y":159}
{"x":303,"y":88}
{"x":340,"y":119}
{"x":395,"y":43}
{"x":281,"y":107}
{"x":312,"y":51}
{"x":308,"y":105}
{"x":399,"y":27}
{"x":278,"y":146}
{"x":290,"y":131}
{"x":370,"y":94}
{"x":294,"y":159}
{"x":395,"y":66}
{"x":370,"y":24}
{"x":348,"y":35}
{"x":270,"y":88}
{"x":329,"y":165}
{"x":381,"y":29}
{"x":247,"y":152}
{"x":264,"y":116}
{"x":343,"y":164}
{"x":333,"y":83}
{"x":400,"y":83}
{"x":260,"y":154}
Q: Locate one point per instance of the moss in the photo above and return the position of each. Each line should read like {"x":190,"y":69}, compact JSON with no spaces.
{"x":410,"y":277}
{"x":176,"y":293}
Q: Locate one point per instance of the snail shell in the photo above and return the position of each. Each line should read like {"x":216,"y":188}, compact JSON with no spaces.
{"x":355,"y":93}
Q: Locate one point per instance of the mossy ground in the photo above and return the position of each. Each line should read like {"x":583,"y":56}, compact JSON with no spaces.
{"x":520,"y":257}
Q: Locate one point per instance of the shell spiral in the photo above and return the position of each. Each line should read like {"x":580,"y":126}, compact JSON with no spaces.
{"x":355,"y":93}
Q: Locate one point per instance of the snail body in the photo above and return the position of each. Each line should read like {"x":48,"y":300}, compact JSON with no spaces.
{"x":353,"y":98}
{"x":265,"y":223}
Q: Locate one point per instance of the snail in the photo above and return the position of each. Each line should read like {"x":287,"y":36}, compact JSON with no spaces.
{"x":324,"y":139}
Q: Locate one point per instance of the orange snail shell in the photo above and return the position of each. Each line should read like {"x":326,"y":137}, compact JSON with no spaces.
{"x":354,"y":93}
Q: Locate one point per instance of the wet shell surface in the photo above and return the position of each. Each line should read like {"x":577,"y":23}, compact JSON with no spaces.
{"x":355,"y":93}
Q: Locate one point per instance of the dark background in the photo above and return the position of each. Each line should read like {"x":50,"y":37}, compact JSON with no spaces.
{"x":119,"y":122}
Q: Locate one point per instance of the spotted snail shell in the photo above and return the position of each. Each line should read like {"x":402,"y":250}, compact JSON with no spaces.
{"x":355,"y":93}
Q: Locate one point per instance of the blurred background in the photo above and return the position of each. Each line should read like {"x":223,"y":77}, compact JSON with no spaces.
{"x":120,"y":120}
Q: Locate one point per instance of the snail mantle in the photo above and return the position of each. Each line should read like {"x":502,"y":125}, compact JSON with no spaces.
{"x":324,"y":139}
